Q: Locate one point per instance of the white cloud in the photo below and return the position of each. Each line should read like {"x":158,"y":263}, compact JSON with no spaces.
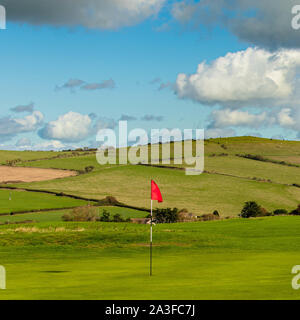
{"x":10,"y":127}
{"x":285,"y":119}
{"x":70,"y":127}
{"x":30,"y":122}
{"x":253,"y":76}
{"x":217,"y":133}
{"x":75,"y":127}
{"x":93,"y":14}
{"x":49,"y":145}
{"x":228,"y":118}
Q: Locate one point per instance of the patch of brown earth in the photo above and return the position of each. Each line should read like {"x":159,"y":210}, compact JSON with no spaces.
{"x":18,"y":174}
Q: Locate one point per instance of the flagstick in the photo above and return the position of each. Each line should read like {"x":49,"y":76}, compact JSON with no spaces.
{"x":151,"y":242}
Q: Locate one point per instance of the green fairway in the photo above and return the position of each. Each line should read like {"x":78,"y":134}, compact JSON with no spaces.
{"x":55,"y":216}
{"x":26,"y":201}
{"x":231,"y":259}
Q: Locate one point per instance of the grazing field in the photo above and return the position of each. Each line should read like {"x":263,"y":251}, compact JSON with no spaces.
{"x":25,"y":155}
{"x":230,"y":259}
{"x":227,"y":183}
{"x":26,"y":201}
{"x":200,"y":194}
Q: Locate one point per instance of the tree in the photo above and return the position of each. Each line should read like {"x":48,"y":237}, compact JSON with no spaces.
{"x":251,"y":209}
{"x":105,"y":216}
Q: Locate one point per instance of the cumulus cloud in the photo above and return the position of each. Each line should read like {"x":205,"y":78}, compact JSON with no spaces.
{"x":74,"y":127}
{"x":10,"y":127}
{"x":234,"y":118}
{"x":285,"y":118}
{"x":23,"y":108}
{"x":92,"y":14}
{"x":265,"y":23}
{"x":252,"y":76}
{"x":70,"y":127}
{"x":289,"y":118}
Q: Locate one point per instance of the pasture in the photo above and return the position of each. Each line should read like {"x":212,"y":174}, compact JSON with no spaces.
{"x":26,"y":201}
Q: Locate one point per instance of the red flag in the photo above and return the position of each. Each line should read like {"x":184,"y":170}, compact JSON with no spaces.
{"x":155,"y":192}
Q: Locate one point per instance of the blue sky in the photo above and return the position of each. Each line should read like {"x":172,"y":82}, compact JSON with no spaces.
{"x":38,"y":58}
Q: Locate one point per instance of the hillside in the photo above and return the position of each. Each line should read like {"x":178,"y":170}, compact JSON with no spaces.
{"x":224,"y":259}
{"x":228,"y":181}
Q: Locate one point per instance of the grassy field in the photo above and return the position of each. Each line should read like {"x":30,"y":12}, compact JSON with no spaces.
{"x":230,"y":259}
{"x":228,"y":183}
{"x":227,"y":259}
{"x":25,"y":155}
{"x":200,"y":194}
{"x":25,"y":201}
{"x":55,"y":216}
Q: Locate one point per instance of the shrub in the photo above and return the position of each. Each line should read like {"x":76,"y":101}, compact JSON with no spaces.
{"x":105,"y":216}
{"x":280,"y":211}
{"x":209,"y":217}
{"x":251,"y":209}
{"x":264,"y":212}
{"x":185,"y":216}
{"x":117,"y":218}
{"x":86,"y":213}
{"x":89,"y":169}
{"x":296,"y":212}
{"x":108,"y":201}
{"x":166,"y":215}
{"x":216,"y":213}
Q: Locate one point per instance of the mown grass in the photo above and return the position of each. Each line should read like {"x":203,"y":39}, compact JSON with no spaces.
{"x":230,"y":259}
{"x":26,"y":201}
